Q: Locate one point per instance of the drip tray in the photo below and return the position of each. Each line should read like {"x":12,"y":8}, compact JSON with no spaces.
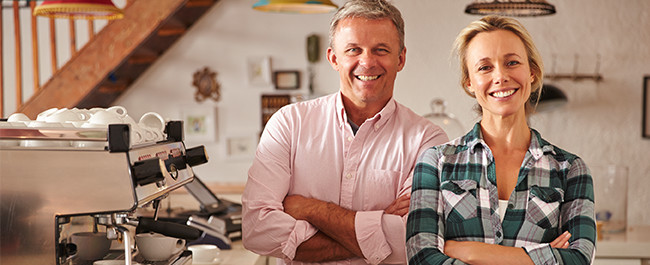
{"x":183,"y":258}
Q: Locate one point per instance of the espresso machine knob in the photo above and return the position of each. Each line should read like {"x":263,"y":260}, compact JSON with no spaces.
{"x":196,"y":156}
{"x":148,"y":171}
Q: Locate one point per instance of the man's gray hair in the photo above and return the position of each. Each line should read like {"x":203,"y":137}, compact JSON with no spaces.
{"x":369,"y":9}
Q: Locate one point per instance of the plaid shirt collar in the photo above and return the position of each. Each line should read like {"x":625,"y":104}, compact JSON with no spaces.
{"x":537,"y":148}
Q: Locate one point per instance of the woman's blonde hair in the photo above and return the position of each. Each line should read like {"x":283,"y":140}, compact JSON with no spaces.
{"x":492,"y":23}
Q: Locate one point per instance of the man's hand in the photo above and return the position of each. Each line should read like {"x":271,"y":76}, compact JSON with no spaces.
{"x":295,"y":205}
{"x":331,"y":219}
{"x":399,"y":206}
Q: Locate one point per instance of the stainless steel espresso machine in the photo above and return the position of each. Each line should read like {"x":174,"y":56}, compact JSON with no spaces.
{"x":49,"y":191}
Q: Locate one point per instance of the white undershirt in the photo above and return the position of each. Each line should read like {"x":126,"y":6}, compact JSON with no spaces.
{"x":503,"y":205}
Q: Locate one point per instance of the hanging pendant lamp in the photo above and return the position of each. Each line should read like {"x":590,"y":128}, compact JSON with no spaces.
{"x":79,"y":9}
{"x":517,"y":8}
{"x":296,"y":6}
{"x":552,"y":97}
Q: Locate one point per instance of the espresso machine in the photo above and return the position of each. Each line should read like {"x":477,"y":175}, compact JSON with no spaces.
{"x":49,"y":191}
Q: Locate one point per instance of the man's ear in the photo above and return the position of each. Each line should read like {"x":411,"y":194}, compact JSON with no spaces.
{"x":331,"y":57}
{"x":402,"y":59}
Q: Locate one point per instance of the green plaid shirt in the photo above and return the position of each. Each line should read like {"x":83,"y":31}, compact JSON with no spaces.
{"x":454,"y":197}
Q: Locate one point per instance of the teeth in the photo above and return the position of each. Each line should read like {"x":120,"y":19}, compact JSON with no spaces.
{"x":503,"y":94}
{"x":367,"y":77}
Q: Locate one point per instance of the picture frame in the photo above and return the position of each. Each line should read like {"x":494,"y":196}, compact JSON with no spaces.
{"x":645,"y":123}
{"x":286,"y":80}
{"x":259,"y":70}
{"x":241,"y":146}
{"x":200,"y":124}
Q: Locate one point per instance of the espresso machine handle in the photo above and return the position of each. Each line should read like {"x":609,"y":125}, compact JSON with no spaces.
{"x":196,"y":156}
{"x":148,"y":171}
{"x":169,"y":229}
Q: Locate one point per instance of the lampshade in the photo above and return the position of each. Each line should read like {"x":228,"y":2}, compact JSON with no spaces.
{"x":295,"y":6}
{"x":79,"y":9}
{"x":551,"y":98}
{"x":518,"y":8}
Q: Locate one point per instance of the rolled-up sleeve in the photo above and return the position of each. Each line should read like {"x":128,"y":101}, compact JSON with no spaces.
{"x":577,"y":215}
{"x":381,"y":237}
{"x":266,"y":228}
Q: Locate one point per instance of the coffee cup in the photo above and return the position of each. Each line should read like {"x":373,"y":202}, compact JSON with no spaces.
{"x":119,"y":110}
{"x":152,"y":120}
{"x":157,"y":247}
{"x":204,"y":254}
{"x":46,"y":113}
{"x":154,"y":124}
{"x":65,"y":115}
{"x":18,"y":117}
{"x":105,"y":117}
{"x":90,"y":245}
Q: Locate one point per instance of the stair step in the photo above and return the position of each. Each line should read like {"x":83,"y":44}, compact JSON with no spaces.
{"x":172,"y":27}
{"x":171,"y":31}
{"x":142,"y":58}
{"x":199,"y":3}
{"x":110,"y":88}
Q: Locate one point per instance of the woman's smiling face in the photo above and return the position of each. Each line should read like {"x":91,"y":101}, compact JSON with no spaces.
{"x":499,"y":72}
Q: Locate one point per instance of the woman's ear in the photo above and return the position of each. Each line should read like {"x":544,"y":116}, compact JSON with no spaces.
{"x":469,"y":88}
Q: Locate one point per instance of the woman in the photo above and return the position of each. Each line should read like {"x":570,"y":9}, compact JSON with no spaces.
{"x":500,"y":194}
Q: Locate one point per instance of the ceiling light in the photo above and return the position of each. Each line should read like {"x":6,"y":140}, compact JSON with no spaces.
{"x":79,"y":9}
{"x":295,"y":6}
{"x":517,"y":8}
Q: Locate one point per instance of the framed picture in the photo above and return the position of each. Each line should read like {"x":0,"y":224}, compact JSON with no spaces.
{"x":259,"y":71}
{"x":241,"y":146}
{"x":200,"y":124}
{"x":286,"y":79}
{"x":645,"y":125}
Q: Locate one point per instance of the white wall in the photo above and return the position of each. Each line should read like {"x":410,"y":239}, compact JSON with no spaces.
{"x":601,"y":123}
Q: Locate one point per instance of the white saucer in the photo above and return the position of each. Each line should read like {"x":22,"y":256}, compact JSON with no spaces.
{"x":217,"y":261}
{"x":112,"y":262}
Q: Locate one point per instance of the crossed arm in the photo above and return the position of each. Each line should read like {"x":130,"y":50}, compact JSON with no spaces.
{"x":472,"y":252}
{"x":336,"y":239}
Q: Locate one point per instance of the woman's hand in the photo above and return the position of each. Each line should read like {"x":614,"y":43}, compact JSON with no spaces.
{"x":561,"y":241}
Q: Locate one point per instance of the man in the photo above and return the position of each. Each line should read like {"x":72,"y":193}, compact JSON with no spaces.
{"x":331,"y":178}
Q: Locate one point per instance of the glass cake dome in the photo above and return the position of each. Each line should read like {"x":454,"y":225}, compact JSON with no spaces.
{"x":446,"y":121}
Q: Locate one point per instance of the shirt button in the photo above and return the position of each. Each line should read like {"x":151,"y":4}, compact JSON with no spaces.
{"x":376,"y":126}
{"x":498,"y":233}
{"x":349,"y":175}
{"x":350,"y":138}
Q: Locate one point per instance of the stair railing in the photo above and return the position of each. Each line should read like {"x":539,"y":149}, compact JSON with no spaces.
{"x":26,"y":80}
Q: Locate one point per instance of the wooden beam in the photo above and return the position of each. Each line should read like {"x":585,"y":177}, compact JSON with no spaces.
{"x":94,"y":62}
{"x":91,"y":29}
{"x":35,"y":65}
{"x":55,"y":66}
{"x":73,"y":37}
{"x":19,"y":59}
{"x":2,"y":88}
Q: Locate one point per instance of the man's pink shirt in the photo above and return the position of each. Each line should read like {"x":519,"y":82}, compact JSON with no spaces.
{"x":308,"y":149}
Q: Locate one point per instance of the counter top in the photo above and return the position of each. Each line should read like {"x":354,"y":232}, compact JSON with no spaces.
{"x":633,"y":243}
{"x":237,"y":255}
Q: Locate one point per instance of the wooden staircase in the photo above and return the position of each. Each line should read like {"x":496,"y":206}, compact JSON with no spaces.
{"x":103,"y":69}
